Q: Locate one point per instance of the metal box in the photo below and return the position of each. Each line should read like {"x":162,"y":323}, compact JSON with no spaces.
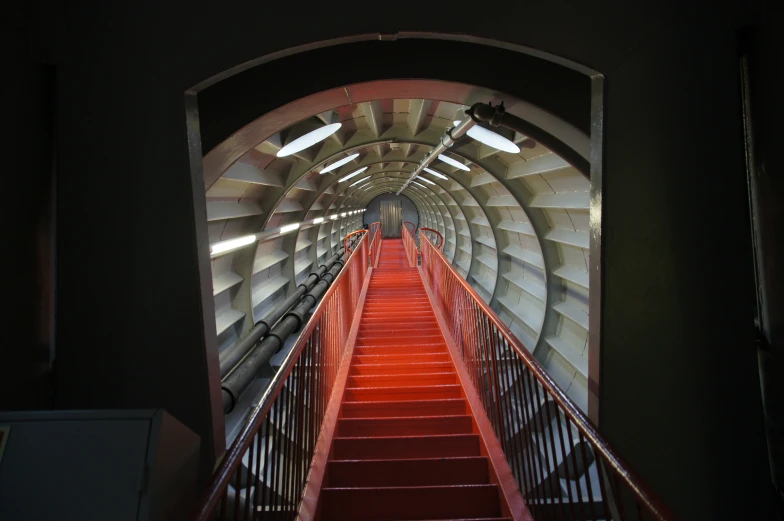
{"x":97,"y":465}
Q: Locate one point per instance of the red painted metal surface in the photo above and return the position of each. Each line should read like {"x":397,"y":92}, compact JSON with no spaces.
{"x":564,"y":467}
{"x":373,"y":231}
{"x":409,"y":244}
{"x":264,"y":472}
{"x":440,"y":243}
{"x":406,"y":445}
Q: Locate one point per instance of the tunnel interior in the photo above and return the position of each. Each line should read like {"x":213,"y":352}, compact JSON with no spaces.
{"x":515,"y":223}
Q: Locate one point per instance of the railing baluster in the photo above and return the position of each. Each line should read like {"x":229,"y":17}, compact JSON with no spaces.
{"x":554,"y":455}
{"x":266,"y":498}
{"x":541,"y":478}
{"x":564,"y":464}
{"x":587,"y":475}
{"x":520,"y":398}
{"x":574,"y":476}
{"x":248,"y":483}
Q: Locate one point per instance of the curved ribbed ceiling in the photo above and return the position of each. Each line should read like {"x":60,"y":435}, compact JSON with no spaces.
{"x":516,"y":224}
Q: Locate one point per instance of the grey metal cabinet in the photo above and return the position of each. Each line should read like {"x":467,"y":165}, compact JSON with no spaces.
{"x":97,"y":465}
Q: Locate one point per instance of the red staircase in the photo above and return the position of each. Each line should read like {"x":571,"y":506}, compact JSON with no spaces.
{"x":406,"y":446}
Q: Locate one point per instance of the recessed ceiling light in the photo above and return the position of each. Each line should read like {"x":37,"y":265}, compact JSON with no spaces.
{"x":220,"y":247}
{"x":309,"y":139}
{"x":449,"y":161}
{"x":334,"y":217}
{"x":425,"y":179}
{"x":352,"y":174}
{"x":318,"y":220}
{"x":338,"y":164}
{"x":357,"y":182}
{"x":491,"y":139}
{"x":343,"y":215}
{"x":289,"y":228}
{"x":437,"y":174}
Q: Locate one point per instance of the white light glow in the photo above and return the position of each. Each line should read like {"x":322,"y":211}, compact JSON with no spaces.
{"x":491,"y":139}
{"x":425,"y":179}
{"x":318,"y":220}
{"x":419,"y":185}
{"x":220,"y":247}
{"x":343,"y":215}
{"x":352,"y":174}
{"x":338,"y":164}
{"x":289,"y":228}
{"x":309,"y":139}
{"x":437,"y":174}
{"x":357,"y":182}
{"x":334,"y":217}
{"x":449,"y":161}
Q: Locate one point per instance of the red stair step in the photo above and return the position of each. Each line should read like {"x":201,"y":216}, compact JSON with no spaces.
{"x":406,"y":447}
{"x":405,"y":426}
{"x":409,"y":368}
{"x":403,"y":350}
{"x":393,"y":394}
{"x":377,"y":356}
{"x":388,"y":380}
{"x":409,"y":503}
{"x":409,"y":472}
{"x":454,"y":406}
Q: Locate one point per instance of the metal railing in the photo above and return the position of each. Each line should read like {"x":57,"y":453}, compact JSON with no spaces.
{"x":374,"y":229}
{"x":410,"y":244}
{"x":430,"y":232}
{"x":264,"y":472}
{"x":564,"y":468}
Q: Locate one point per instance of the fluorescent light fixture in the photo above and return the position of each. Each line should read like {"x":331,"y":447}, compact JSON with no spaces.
{"x":318,"y":220}
{"x":289,"y":228}
{"x":343,"y":215}
{"x":339,"y":163}
{"x":309,"y":139}
{"x":418,"y":184}
{"x":449,"y":161}
{"x":491,"y":139}
{"x":220,"y":247}
{"x":352,"y":174}
{"x":357,"y":182}
{"x":425,"y":179}
{"x":334,"y":217}
{"x":437,"y":174}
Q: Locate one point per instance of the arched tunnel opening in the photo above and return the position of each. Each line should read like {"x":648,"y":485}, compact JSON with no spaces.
{"x":515,"y":223}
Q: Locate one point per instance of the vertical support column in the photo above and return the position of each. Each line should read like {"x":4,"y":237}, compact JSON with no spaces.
{"x":595,"y":269}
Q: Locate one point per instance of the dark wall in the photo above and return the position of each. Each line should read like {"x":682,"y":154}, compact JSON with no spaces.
{"x":764,"y":45}
{"x":679,"y":387}
{"x":679,"y":369}
{"x":28,"y":112}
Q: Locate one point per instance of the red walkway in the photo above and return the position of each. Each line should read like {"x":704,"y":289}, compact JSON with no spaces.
{"x":406,"y":446}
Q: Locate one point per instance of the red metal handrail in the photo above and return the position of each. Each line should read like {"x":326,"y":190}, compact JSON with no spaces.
{"x":264,"y":471}
{"x":440,"y":244}
{"x":547,"y":440}
{"x":411,"y":227}
{"x":409,"y":245}
{"x":376,"y":236}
